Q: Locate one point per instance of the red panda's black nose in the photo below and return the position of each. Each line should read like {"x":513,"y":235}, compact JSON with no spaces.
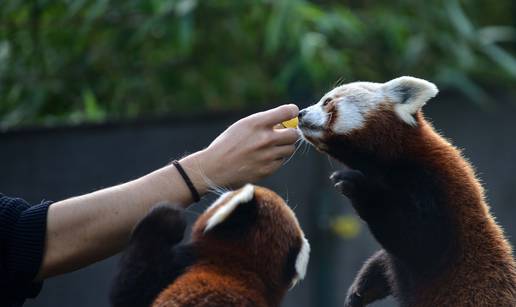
{"x":301,"y":113}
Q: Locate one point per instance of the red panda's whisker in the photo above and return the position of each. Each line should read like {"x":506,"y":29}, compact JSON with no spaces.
{"x":330,"y":161}
{"x":306,"y":149}
{"x":213,"y":187}
{"x":298,"y":145}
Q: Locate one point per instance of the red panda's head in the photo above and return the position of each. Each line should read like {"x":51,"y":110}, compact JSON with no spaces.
{"x":365,"y":117}
{"x":253,"y":228}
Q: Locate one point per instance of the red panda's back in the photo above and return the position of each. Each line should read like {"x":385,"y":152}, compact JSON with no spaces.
{"x":203,"y":287}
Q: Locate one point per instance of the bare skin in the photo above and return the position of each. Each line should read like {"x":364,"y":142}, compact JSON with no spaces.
{"x":88,"y":228}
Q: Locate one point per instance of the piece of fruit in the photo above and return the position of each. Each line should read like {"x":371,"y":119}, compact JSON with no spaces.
{"x":291,"y":123}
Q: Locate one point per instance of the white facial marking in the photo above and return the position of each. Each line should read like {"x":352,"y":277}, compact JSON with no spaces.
{"x":301,"y":262}
{"x":348,"y":118}
{"x":409,"y":95}
{"x":352,"y":103}
{"x":315,"y":134}
{"x":316,"y":116}
{"x":222,"y":213}
{"x":358,"y":99}
{"x":315,"y":119}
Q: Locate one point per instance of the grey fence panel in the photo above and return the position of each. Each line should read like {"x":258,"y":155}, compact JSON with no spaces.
{"x":55,"y":164}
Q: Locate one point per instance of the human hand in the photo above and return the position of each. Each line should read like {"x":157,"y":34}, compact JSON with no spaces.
{"x":247,"y":151}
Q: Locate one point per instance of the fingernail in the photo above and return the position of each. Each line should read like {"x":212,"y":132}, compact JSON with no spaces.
{"x":294,"y":108}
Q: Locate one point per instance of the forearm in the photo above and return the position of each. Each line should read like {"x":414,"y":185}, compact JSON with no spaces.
{"x":91,"y":227}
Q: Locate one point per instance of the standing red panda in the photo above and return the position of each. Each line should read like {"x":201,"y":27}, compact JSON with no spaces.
{"x":418,"y":195}
{"x":247,"y":249}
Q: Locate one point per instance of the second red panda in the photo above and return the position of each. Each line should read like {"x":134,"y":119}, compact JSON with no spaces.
{"x":247,"y":249}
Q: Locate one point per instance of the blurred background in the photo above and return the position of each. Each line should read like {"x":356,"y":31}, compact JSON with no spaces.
{"x":94,"y":93}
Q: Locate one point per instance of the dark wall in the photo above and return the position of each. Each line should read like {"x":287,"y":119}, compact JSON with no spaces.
{"x":59,"y":163}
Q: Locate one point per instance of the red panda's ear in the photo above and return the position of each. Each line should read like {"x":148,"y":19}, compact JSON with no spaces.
{"x":232,"y":208}
{"x":301,"y":261}
{"x":409,"y":95}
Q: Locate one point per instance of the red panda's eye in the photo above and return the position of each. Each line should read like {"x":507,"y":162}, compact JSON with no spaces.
{"x":326,"y":101}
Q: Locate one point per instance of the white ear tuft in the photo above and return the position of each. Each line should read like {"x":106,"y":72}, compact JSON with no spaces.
{"x":409,"y":95}
{"x":301,"y":262}
{"x":236,"y":198}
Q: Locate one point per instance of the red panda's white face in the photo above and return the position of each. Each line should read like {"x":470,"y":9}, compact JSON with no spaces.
{"x":350,"y":108}
{"x":255,"y":225}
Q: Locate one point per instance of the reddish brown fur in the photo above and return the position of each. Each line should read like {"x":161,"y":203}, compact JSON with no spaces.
{"x":205,"y":285}
{"x":331,"y":108}
{"x":484,"y":273}
{"x":243,"y":271}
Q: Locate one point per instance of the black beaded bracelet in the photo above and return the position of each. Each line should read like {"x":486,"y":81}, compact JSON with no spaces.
{"x":193,"y":190}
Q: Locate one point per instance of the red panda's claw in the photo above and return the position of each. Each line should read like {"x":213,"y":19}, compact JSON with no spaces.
{"x":353,"y":300}
{"x":348,"y":181}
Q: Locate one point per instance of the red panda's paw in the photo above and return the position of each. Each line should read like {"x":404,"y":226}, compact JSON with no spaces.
{"x":353,"y":300}
{"x":349,"y":182}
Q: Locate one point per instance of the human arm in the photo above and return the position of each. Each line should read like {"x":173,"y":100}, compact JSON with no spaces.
{"x":91,"y":227}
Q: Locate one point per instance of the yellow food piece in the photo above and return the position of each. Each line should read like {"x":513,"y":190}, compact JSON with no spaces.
{"x":291,"y":123}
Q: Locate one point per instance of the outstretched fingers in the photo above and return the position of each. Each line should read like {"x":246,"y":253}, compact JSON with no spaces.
{"x":287,"y":136}
{"x":272,"y":117}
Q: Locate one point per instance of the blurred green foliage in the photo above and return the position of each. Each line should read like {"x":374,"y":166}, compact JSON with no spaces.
{"x":87,"y":60}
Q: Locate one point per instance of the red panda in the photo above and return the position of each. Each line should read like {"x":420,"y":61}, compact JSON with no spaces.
{"x":419,"y":197}
{"x":246,"y":249}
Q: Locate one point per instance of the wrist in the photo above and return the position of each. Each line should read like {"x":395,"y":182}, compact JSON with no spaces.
{"x":197,"y":167}
{"x":167,"y":183}
{"x":186,"y":179}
